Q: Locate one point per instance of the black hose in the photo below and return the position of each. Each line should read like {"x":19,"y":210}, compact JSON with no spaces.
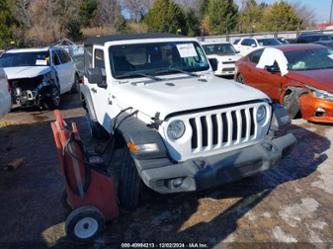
{"x":87,"y":170}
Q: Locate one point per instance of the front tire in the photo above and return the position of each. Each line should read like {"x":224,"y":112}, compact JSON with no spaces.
{"x":96,"y":130}
{"x":84,"y":224}
{"x":53,"y":101}
{"x":290,"y":102}
{"x":240,"y":79}
{"x":130,"y":185}
{"x":76,"y":85}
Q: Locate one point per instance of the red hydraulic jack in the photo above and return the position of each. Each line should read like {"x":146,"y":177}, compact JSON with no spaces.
{"x":91,"y":193}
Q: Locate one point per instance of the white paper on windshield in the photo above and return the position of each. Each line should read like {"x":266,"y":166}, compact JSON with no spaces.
{"x":268,"y":58}
{"x":186,"y":50}
{"x":41,"y":62}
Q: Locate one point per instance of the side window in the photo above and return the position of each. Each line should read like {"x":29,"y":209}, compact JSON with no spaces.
{"x":252,"y":43}
{"x":66,"y":56}
{"x":236,"y":41}
{"x":99,"y":59}
{"x":245,"y":42}
{"x":255,"y":56}
{"x":55,"y":58}
{"x":63,"y":56}
{"x":87,"y":57}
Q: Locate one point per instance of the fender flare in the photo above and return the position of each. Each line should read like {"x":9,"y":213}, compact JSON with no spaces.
{"x":135,"y":131}
{"x":87,"y":102}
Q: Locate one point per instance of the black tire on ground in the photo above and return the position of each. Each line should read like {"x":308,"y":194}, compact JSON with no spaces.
{"x":76,"y":85}
{"x":290,"y":102}
{"x":53,"y":102}
{"x":84,"y":224}
{"x":130,"y":185}
{"x":96,"y":130}
{"x":240,"y":79}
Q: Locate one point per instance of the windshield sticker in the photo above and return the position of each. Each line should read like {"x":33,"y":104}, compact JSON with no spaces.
{"x":186,"y":50}
{"x":40,"y":62}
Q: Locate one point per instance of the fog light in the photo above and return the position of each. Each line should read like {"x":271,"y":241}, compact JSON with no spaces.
{"x":319,"y":112}
{"x":177,"y":182}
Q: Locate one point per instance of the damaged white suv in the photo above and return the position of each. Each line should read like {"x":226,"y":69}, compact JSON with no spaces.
{"x":179,"y":127}
{"x":38,"y":76}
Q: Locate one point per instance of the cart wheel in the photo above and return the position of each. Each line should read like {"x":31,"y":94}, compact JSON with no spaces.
{"x":84,"y":224}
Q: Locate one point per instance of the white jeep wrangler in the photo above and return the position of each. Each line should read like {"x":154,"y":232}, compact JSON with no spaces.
{"x":180,"y":127}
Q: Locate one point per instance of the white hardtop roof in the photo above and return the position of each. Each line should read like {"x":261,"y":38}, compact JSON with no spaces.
{"x":215,"y":42}
{"x":151,"y":40}
{"x":26,"y":50}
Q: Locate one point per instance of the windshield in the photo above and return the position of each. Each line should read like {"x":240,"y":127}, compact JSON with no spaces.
{"x":131,"y":61}
{"x":268,"y":42}
{"x":26,"y":59}
{"x":220,"y":49}
{"x":312,"y":59}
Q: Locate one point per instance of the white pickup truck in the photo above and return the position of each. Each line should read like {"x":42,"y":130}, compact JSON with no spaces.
{"x":5,"y":98}
{"x":178,"y":126}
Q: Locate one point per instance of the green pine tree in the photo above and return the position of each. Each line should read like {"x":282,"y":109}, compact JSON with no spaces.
{"x":7,"y":22}
{"x":166,"y":16}
{"x":281,"y":16}
{"x":222,"y":16}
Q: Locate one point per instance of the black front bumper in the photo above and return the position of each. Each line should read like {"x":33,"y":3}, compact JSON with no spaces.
{"x":203,"y":173}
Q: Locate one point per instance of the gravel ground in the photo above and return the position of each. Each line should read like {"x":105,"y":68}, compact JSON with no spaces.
{"x":291,"y":203}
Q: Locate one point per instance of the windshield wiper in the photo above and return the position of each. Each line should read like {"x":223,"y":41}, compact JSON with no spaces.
{"x":130,"y":74}
{"x":176,"y":69}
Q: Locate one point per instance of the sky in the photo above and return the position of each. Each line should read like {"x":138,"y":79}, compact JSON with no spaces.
{"x":320,"y":7}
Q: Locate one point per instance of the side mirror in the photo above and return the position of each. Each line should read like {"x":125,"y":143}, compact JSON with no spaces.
{"x":272,"y":69}
{"x":95,"y":76}
{"x":214,"y":63}
{"x":253,"y":45}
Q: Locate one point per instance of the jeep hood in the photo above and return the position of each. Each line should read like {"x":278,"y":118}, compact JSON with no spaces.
{"x":25,"y":72}
{"x":183,"y":94}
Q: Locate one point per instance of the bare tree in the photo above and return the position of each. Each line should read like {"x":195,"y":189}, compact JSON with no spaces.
{"x":21,"y":11}
{"x":305,"y":13}
{"x":137,"y":8}
{"x":108,"y":12}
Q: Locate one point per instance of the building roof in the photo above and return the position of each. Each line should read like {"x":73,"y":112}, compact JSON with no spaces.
{"x":101,"y":40}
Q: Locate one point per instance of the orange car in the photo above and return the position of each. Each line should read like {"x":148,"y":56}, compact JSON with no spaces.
{"x":305,"y":86}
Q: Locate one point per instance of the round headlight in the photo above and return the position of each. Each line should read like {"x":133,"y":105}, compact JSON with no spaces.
{"x":261,"y":114}
{"x":176,"y":129}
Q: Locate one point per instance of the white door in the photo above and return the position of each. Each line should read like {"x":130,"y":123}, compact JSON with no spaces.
{"x":101,"y":96}
{"x":64,"y":71}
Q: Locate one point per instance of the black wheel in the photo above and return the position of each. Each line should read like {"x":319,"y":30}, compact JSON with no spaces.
{"x":53,"y":101}
{"x":240,"y":79}
{"x":290,"y":102}
{"x":84,"y":224}
{"x":76,"y":85}
{"x":96,"y":130}
{"x":129,"y":185}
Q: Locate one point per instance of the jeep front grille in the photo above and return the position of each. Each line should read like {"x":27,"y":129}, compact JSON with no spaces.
{"x":217,"y":130}
{"x":223,"y":129}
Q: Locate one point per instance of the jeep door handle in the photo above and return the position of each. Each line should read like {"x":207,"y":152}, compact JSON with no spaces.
{"x":93,"y":90}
